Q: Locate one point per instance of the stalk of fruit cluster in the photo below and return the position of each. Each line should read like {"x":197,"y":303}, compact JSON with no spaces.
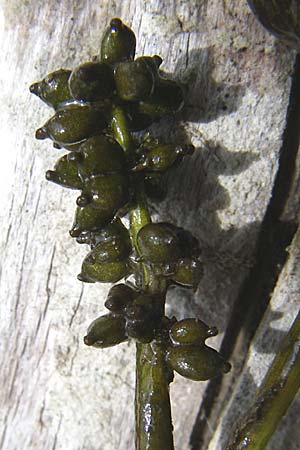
{"x":153,"y":420}
{"x":152,"y":401}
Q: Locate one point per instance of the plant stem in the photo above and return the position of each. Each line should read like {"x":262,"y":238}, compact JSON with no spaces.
{"x":154,"y":430}
{"x":152,"y":400}
{"x":275,"y":396}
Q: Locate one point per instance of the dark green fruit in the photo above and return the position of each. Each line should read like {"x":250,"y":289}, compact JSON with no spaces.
{"x":141,"y":330}
{"x":198,"y":363}
{"x":158,"y":243}
{"x":161,"y":157}
{"x":72,"y":124}
{"x":108,"y":192}
{"x":189,"y":245}
{"x":89,"y":219}
{"x":110,"y":250}
{"x":118,"y":43}
{"x":91,"y":82}
{"x":101,"y":155}
{"x":191,"y":331}
{"x":144,"y":307}
{"x":110,"y":232}
{"x":167,"y":98}
{"x":143,"y":317}
{"x":153,"y":62}
{"x":135,"y":80}
{"x":53,"y":89}
{"x":110,"y":272}
{"x":65,"y":172}
{"x":106,"y":331}
{"x":113,"y":231}
{"x":188,"y":272}
{"x":119,"y":297}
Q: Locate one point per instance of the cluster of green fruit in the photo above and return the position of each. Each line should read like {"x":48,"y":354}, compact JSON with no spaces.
{"x":97,"y":107}
{"x":137,"y":315}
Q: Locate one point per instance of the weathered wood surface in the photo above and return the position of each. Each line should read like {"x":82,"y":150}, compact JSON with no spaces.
{"x":57,"y":394}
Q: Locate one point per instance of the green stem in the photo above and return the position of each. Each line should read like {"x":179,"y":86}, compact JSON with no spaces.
{"x":139,"y":215}
{"x":275,"y":396}
{"x":154,"y":430}
{"x":152,"y":401}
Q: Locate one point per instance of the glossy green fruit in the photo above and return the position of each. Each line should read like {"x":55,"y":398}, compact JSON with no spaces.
{"x":110,"y":250}
{"x":119,"y":297}
{"x":161,"y":157}
{"x":135,"y":80}
{"x":107,"y":192}
{"x":189,"y":245}
{"x":198,"y":363}
{"x":191,"y":331}
{"x":109,"y":232}
{"x":66,"y":173}
{"x":89,"y":219}
{"x":167,"y":98}
{"x":188,"y":272}
{"x":106,"y":331}
{"x":109,"y":272}
{"x":158,"y":243}
{"x":118,"y":43}
{"x":72,"y":124}
{"x":92,"y":81}
{"x":53,"y":89}
{"x":114,"y":230}
{"x":101,"y":155}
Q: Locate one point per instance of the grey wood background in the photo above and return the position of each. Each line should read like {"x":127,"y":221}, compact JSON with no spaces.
{"x":58,"y":394}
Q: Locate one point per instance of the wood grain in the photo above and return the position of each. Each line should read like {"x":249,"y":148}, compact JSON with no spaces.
{"x":58,"y":394}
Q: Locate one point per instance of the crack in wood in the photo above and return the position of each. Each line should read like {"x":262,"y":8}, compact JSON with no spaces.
{"x":3,"y":434}
{"x":56,"y":434}
{"x":13,"y":379}
{"x":44,"y":346}
{"x":37,"y":205}
{"x":18,"y":294}
{"x":77,"y":306}
{"x":48,"y":290}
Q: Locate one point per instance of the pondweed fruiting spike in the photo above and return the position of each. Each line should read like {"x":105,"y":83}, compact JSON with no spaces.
{"x":97,"y":106}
